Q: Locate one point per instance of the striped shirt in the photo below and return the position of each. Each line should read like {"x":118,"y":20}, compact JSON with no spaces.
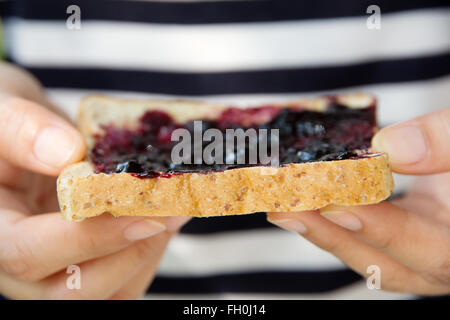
{"x":241,"y":52}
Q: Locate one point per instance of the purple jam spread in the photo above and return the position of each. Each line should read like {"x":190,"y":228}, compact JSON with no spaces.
{"x":304,"y":136}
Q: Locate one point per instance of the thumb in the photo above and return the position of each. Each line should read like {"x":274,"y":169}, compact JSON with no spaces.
{"x":36,"y":139}
{"x":418,"y":146}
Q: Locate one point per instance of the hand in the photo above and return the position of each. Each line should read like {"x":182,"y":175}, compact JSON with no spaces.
{"x":117,"y":257}
{"x":409,"y":238}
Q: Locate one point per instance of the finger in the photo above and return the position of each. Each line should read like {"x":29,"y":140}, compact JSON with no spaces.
{"x":28,"y":245}
{"x":101,"y":278}
{"x":340,"y":243}
{"x":139,"y":284}
{"x":418,"y":146}
{"x":40,"y":194}
{"x":43,"y":142}
{"x":12,"y":176}
{"x":136,"y":287}
{"x":413,"y":240}
{"x":428,"y":196}
{"x":354,"y":253}
{"x":128,"y":282}
{"x":174,"y":224}
{"x":12,"y":200}
{"x":15,"y":81}
{"x":435,"y":187}
{"x":13,"y":288}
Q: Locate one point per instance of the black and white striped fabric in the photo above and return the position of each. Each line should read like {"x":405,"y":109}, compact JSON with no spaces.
{"x":240,"y":52}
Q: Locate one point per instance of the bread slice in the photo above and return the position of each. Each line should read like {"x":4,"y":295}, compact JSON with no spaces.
{"x":82,"y":193}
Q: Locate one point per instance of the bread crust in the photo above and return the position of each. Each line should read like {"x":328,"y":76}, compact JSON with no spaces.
{"x":293,"y":187}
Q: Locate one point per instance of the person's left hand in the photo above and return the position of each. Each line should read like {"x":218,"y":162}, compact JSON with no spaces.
{"x":409,"y":238}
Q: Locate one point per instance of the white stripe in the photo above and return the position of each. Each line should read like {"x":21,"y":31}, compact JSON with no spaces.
{"x":241,"y":251}
{"x":219,"y":47}
{"x":357,"y":291}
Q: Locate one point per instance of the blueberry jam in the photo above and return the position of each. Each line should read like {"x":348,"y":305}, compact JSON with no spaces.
{"x":304,"y":136}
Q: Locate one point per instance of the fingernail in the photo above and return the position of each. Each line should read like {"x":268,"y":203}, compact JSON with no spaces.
{"x":175,"y":223}
{"x":143,"y":229}
{"x":290,"y":225}
{"x":54,"y":147}
{"x":344,"y":219}
{"x":404,"y":145}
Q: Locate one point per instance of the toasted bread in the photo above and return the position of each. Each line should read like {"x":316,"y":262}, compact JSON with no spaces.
{"x":83,"y":193}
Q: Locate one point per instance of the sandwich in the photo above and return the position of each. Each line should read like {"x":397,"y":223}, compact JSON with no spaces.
{"x":140,"y":161}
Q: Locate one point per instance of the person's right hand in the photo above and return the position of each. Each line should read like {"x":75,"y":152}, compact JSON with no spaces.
{"x":117,"y":257}
{"x":407,"y":238}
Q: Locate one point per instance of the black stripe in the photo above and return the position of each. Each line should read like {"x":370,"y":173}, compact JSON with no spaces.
{"x":446,"y":297}
{"x":228,"y":223}
{"x":207,"y":12}
{"x":262,"y":81}
{"x":263,"y":282}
